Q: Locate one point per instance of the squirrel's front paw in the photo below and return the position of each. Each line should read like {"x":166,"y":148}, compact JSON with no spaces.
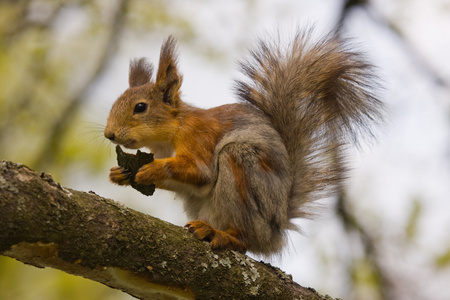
{"x":120,"y":176}
{"x":146,"y":174}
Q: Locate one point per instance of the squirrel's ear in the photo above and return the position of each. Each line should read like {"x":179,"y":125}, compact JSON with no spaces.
{"x":140,"y":72}
{"x":168,"y":80}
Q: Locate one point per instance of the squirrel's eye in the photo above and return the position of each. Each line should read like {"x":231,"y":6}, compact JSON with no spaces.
{"x":140,"y":108}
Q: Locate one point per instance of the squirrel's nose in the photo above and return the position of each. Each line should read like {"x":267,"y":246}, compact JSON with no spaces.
{"x":110,"y":136}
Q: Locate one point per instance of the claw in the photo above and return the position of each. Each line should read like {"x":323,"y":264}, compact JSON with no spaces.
{"x":200,"y":230}
{"x":218,"y":239}
{"x":120,"y":176}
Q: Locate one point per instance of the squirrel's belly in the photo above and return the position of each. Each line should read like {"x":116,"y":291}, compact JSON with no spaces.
{"x":185,"y":190}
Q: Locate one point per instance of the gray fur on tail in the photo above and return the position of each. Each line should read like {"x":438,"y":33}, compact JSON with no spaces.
{"x":319,"y":97}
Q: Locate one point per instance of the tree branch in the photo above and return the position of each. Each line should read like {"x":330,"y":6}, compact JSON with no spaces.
{"x":47,"y":225}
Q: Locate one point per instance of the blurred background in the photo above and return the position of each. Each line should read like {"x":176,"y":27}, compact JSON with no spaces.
{"x":63,"y":63}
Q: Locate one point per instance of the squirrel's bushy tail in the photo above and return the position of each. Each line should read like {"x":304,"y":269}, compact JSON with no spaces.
{"x":319,"y":97}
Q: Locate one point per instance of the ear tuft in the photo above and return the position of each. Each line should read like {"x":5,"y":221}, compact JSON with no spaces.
{"x":168,"y":58}
{"x":168,"y":80}
{"x":140,"y":72}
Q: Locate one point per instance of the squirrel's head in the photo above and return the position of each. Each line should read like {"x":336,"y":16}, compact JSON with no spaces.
{"x":145,"y":114}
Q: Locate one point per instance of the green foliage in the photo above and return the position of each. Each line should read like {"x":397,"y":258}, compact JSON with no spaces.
{"x":443,"y":260}
{"x":52,"y":53}
{"x":148,"y":16}
{"x":413,"y":219}
{"x":39,"y":82}
{"x":366,"y":279}
{"x":19,"y":281}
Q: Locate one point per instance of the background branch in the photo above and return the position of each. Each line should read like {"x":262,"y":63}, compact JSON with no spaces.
{"x":75,"y":101}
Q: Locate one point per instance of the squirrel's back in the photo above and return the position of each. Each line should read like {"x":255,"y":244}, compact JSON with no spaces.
{"x":250,"y":182}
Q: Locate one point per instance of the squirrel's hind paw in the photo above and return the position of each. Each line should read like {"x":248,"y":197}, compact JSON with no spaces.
{"x":218,"y":239}
{"x":120,"y":176}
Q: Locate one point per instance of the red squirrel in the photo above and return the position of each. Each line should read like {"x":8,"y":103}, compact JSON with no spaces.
{"x":244,"y":171}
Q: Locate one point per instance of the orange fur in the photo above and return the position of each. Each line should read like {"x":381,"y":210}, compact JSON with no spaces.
{"x":239,"y":179}
{"x":267,"y":165}
{"x":194,"y":145}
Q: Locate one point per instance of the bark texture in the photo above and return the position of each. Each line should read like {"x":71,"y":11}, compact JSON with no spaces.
{"x":47,"y":225}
